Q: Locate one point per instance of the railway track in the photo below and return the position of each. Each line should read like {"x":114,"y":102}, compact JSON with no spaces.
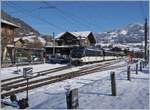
{"x":20,"y":78}
{"x":14,"y":78}
{"x":16,"y":88}
{"x":37,"y":74}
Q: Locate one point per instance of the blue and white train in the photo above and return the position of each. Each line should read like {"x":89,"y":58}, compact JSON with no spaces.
{"x":82,"y":55}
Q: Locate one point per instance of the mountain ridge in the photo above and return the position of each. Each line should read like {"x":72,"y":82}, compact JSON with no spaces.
{"x":132,"y":33}
{"x":24,"y":27}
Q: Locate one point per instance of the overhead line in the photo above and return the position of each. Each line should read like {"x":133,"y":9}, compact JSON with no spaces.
{"x":39,"y":18}
{"x":64,"y":13}
{"x":71,"y":20}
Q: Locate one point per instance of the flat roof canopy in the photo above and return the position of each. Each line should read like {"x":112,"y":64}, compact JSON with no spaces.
{"x":64,"y":46}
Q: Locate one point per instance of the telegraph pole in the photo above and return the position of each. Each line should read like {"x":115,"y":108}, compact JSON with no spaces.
{"x":53,"y":44}
{"x":145,"y":26}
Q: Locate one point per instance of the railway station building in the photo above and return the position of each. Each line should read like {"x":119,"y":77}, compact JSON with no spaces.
{"x":83,"y":38}
{"x":66,"y":41}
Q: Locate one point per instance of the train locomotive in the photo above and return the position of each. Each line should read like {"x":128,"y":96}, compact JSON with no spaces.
{"x":83,"y":55}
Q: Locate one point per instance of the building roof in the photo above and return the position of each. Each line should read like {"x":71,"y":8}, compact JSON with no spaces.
{"x":62,"y":46}
{"x":30,"y":38}
{"x":82,"y":34}
{"x":60,"y":34}
{"x":9,"y":23}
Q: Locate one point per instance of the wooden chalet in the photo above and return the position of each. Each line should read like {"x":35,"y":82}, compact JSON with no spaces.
{"x":7,"y":41}
{"x":83,"y":38}
{"x":28,"y":49}
{"x":66,"y":41}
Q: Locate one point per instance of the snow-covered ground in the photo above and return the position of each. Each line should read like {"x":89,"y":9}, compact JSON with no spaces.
{"x":95,"y":92}
{"x":9,"y":72}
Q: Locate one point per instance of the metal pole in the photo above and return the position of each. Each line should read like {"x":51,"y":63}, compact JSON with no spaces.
{"x":143,"y":64}
{"x":27,"y":89}
{"x":53,"y":43}
{"x":145,"y":56}
{"x":140,"y":65}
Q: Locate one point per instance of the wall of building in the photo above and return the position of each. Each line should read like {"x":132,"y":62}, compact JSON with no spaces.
{"x":7,"y":38}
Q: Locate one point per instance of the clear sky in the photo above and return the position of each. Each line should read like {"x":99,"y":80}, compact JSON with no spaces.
{"x":97,"y":16}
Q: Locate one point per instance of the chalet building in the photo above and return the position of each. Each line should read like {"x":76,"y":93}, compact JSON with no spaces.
{"x":7,"y":41}
{"x":83,"y":38}
{"x":66,"y":41}
{"x":29,"y":49}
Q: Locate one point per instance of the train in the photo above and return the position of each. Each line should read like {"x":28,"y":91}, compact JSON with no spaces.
{"x":83,"y":55}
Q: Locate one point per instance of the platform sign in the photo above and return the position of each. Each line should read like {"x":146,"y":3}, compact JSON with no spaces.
{"x":27,"y":72}
{"x":72,"y":99}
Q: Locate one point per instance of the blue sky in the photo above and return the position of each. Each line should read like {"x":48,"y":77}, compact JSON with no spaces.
{"x":97,"y":16}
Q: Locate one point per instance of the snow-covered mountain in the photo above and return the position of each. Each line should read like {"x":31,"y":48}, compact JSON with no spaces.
{"x":133,"y":33}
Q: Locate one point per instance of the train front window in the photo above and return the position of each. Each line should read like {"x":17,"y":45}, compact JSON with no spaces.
{"x":77,"y":53}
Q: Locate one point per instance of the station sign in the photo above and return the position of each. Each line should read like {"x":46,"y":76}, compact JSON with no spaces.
{"x":27,"y":72}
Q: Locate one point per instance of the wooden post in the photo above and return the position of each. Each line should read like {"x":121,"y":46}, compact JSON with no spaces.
{"x":72,"y":99}
{"x":113,"y":84}
{"x":136,"y":68}
{"x":140,"y":65}
{"x":128,"y":73}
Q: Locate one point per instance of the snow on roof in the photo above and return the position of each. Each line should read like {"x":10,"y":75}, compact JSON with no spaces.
{"x":16,"y":39}
{"x":42,"y":40}
{"x":10,"y":45}
{"x":82,"y":34}
{"x":9,"y":23}
{"x":60,"y":34}
{"x":124,"y":32}
{"x":30,"y":38}
{"x":120,"y":45}
{"x":136,"y":49}
{"x":104,"y":44}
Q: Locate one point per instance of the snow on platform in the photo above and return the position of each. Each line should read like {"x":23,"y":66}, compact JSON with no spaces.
{"x":9,"y":72}
{"x":95,"y":91}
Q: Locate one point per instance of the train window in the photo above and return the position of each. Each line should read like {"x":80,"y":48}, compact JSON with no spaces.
{"x":77,"y":53}
{"x":92,"y":52}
